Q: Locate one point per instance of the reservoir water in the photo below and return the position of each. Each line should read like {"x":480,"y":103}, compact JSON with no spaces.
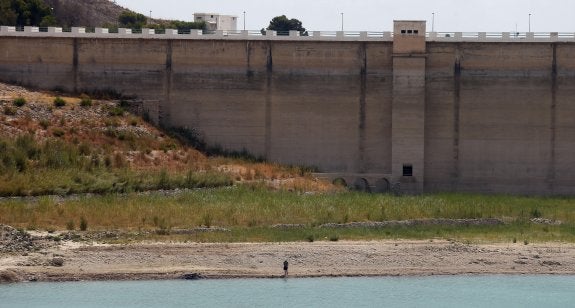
{"x":448,"y":291}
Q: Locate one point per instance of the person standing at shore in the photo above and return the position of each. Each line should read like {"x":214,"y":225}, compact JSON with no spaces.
{"x":286,"y":268}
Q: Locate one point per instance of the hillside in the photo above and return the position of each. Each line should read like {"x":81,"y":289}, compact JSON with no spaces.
{"x":68,"y":145}
{"x":82,"y":13}
{"x":86,"y":13}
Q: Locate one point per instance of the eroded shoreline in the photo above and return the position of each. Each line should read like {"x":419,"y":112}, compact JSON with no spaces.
{"x":160,"y":261}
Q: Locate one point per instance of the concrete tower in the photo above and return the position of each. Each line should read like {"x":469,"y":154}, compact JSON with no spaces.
{"x":408,"y":116}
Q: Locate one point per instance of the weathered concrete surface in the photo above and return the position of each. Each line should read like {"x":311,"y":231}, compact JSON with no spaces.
{"x":491,"y":117}
{"x":408,"y":110}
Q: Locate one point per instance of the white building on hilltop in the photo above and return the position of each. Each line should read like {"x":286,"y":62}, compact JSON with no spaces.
{"x":217,"y":22}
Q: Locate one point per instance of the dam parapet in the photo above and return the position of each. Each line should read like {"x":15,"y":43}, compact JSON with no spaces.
{"x":274,"y":35}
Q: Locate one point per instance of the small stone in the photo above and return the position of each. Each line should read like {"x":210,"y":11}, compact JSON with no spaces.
{"x":57,"y":262}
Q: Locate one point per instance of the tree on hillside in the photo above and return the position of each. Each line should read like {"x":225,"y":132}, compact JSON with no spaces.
{"x":7,"y":15}
{"x":283,"y":25}
{"x":85,"y":13}
{"x":26,"y":13}
{"x":182,"y":26}
{"x":69,"y":13}
{"x":132,"y":20}
{"x":185,"y":25}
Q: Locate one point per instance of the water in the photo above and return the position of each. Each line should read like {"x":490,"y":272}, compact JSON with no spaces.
{"x":455,"y":291}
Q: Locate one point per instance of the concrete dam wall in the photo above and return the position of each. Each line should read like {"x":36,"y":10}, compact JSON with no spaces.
{"x":411,"y":113}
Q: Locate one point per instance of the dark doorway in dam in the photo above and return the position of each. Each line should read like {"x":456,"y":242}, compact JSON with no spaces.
{"x":382,"y":186}
{"x":340,"y":182}
{"x":361,"y":185}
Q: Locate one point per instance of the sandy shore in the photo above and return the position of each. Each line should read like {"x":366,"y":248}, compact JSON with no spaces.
{"x":262,"y":260}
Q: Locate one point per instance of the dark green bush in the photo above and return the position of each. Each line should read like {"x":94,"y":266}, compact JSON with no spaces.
{"x":59,"y":102}
{"x":19,"y":102}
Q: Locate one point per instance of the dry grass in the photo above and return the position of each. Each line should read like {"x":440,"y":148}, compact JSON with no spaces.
{"x":250,"y":211}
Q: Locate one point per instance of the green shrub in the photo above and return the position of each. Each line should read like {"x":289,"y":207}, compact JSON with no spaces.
{"x":28,"y":146}
{"x":536,"y":213}
{"x":116,"y":112}
{"x":85,"y":101}
{"x":59,"y":102}
{"x":19,"y":102}
{"x":334,"y":238}
{"x":164,"y":181}
{"x":83,"y":224}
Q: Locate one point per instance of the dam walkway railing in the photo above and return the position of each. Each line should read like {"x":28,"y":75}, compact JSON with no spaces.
{"x":289,"y":36}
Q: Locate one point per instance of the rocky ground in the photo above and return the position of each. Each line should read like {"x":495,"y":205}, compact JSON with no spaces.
{"x":16,"y":241}
{"x":31,"y":259}
{"x":40,"y":118}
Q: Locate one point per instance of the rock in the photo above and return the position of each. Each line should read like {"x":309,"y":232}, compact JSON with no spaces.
{"x":9,"y":276}
{"x":417,"y":222}
{"x":192,"y":276}
{"x":12,"y":240}
{"x":288,"y":226}
{"x":544,"y":221}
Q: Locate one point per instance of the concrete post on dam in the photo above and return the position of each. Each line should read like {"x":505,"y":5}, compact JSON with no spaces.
{"x":408,"y":106}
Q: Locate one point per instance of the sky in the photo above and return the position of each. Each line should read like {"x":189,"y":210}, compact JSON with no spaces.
{"x":378,"y":15}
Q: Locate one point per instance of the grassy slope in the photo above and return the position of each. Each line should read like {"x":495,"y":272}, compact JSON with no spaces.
{"x":101,"y":148}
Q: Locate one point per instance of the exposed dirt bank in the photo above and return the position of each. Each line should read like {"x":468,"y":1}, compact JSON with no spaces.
{"x":261,"y":260}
